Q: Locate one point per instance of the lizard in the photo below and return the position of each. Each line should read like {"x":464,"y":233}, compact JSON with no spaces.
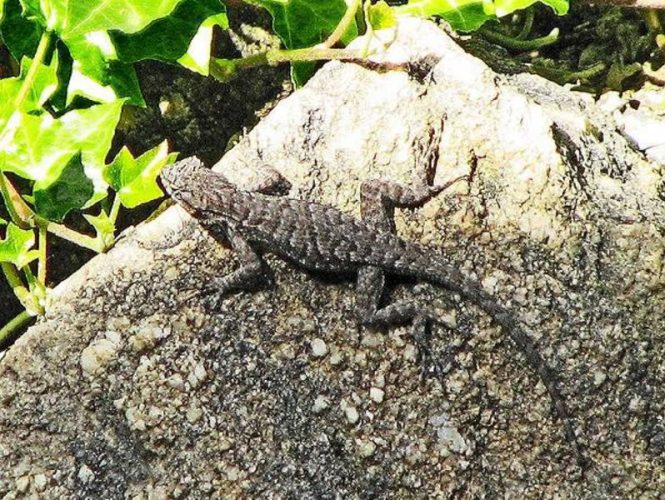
{"x":324,"y":239}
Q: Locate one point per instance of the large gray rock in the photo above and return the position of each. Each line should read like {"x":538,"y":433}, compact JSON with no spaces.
{"x":129,"y":388}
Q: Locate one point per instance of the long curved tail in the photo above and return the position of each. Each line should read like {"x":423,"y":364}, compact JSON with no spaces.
{"x":446,"y":276}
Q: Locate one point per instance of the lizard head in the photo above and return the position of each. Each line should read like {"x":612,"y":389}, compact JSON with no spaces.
{"x":181,"y":176}
{"x":193,"y":186}
{"x":186,"y":181}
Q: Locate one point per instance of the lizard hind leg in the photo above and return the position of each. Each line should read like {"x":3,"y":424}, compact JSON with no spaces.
{"x":371,"y":281}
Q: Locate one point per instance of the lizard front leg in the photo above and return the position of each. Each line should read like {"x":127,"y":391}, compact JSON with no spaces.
{"x":251,"y":273}
{"x":271,"y":182}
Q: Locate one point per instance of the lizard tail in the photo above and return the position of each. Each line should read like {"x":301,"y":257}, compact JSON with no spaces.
{"x":448,"y":277}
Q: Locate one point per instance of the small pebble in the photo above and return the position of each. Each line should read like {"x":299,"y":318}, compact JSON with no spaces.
{"x":97,"y":355}
{"x":366,"y":449}
{"x":352,"y":415}
{"x":175,"y":381}
{"x":85,"y":475}
{"x":336,"y":358}
{"x":200,"y":372}
{"x":319,"y":348}
{"x":411,"y":353}
{"x":225,"y":444}
{"x":321,"y":403}
{"x":232,"y":473}
{"x":598,"y":378}
{"x":40,"y":481}
{"x":22,"y":484}
{"x":194,"y":414}
{"x":376,"y":394}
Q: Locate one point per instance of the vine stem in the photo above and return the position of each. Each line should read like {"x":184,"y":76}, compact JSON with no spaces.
{"x":14,"y":324}
{"x":343,"y":25}
{"x":27,"y":299}
{"x":6,"y":194}
{"x":225,"y":69}
{"x":528,"y":24}
{"x":43,"y":46}
{"x":12,"y":276}
{"x":41,"y":248}
{"x":82,"y":240}
{"x":115,"y":209}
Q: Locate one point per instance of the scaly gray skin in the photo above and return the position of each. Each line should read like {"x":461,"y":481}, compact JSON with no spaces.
{"x":322,"y":238}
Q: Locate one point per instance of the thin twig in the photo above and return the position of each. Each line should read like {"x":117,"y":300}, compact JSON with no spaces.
{"x":14,"y":324}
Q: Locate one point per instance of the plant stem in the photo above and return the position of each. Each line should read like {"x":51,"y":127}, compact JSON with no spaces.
{"x":519,"y":45}
{"x":565,"y":76}
{"x":7,"y":196}
{"x":310,"y":54}
{"x":12,"y":276}
{"x":343,"y":25}
{"x":27,"y":299}
{"x":44,"y":43}
{"x":115,"y":209}
{"x":70,"y":235}
{"x":41,"y":248}
{"x":226,"y":69}
{"x":14,"y":324}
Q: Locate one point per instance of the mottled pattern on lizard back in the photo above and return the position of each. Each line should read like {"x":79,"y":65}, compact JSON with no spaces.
{"x":316,"y":236}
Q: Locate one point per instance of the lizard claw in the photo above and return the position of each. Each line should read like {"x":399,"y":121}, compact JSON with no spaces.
{"x":442,"y":187}
{"x":208,"y":296}
{"x":421,"y":334}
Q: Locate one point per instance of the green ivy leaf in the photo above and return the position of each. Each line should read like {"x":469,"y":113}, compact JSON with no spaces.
{"x":45,"y":84}
{"x":75,"y":18}
{"x":43,"y":146}
{"x":381,"y":16}
{"x":197,"y":57}
{"x":33,"y":11}
{"x":71,"y":191}
{"x":20,"y":35}
{"x":135,"y":179}
{"x":97,"y":74}
{"x":303,"y":23}
{"x":3,"y":222}
{"x":469,"y":15}
{"x":104,"y":229}
{"x":17,"y":246}
{"x":463,"y":15}
{"x":83,"y":26}
{"x":184,"y":36}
